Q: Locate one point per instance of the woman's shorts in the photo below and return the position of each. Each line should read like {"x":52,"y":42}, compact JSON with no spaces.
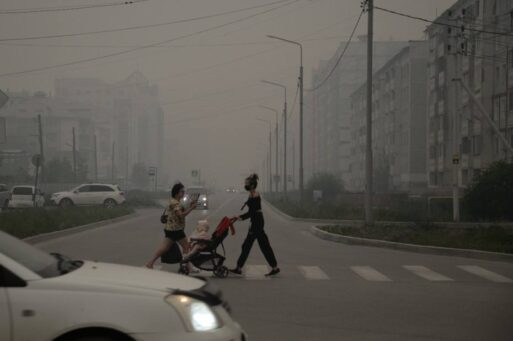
{"x":175,"y":235}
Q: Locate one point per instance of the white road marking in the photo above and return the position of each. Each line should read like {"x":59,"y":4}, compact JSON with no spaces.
{"x":486,"y":274}
{"x":258,"y":272}
{"x":313,"y":273}
{"x":370,"y":274}
{"x":427,"y":273}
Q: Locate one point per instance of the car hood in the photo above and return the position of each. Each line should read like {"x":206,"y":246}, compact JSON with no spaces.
{"x":105,"y":277}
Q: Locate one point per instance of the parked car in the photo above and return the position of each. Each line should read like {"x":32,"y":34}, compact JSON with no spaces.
{"x":4,"y":195}
{"x":23,"y":196}
{"x":198,"y":193}
{"x":52,"y":297}
{"x":90,"y":194}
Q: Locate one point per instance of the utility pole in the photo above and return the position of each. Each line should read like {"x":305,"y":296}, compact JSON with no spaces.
{"x":112,"y":161}
{"x":508,"y":104}
{"x":369,"y":219}
{"x":74,"y":155}
{"x":294,"y":164}
{"x":285,"y":149}
{"x":41,"y":149}
{"x":452,"y":51}
{"x":276,"y":181}
{"x":126,"y":170}
{"x":301,"y":181}
{"x":95,"y":160}
{"x":270,"y":159}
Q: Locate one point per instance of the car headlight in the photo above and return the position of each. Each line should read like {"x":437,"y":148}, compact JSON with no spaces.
{"x":204,"y":199}
{"x":197,"y":315}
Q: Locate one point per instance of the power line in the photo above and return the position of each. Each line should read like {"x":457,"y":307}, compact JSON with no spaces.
{"x":147,"y":46}
{"x":128,"y":28}
{"x":111,"y":46}
{"x":440,"y":23}
{"x":341,"y":55}
{"x":67,"y":8}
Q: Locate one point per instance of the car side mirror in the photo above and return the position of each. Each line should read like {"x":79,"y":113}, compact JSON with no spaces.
{"x":75,"y":191}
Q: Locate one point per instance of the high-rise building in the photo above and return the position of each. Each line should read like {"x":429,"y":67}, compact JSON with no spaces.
{"x":129,"y":120}
{"x":471,"y":41}
{"x":398,"y":124}
{"x":328,"y":108}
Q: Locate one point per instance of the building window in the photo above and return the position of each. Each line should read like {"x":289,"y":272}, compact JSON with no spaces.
{"x":476,"y":174}
{"x":477,"y":144}
{"x":464,"y":177}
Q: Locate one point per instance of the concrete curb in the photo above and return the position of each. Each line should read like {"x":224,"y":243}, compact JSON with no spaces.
{"x":43,"y":237}
{"x":444,"y":251}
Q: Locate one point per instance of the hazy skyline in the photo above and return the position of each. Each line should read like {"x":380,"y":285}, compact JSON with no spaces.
{"x":209,"y":83}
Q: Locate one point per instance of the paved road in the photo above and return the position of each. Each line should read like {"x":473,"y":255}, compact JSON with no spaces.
{"x":329,"y":291}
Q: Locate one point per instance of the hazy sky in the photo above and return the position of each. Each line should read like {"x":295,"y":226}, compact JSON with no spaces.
{"x":210,"y":82}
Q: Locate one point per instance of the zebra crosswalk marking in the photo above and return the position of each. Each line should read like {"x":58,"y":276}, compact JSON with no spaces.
{"x":313,"y":273}
{"x":427,"y":273}
{"x":256,"y":272}
{"x":370,"y":274}
{"x":486,"y":274}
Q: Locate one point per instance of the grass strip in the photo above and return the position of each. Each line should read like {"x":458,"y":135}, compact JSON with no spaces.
{"x":24,"y":223}
{"x":492,"y":238}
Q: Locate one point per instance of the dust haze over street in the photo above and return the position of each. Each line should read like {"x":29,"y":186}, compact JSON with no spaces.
{"x":369,"y":144}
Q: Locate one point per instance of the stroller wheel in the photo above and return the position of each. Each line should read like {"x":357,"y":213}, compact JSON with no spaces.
{"x":221,"y":272}
{"x":183,"y":269}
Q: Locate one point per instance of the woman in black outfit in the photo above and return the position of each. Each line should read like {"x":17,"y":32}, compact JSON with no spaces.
{"x":256,"y":230}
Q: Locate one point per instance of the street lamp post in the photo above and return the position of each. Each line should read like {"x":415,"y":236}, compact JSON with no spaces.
{"x":276,"y":165}
{"x":270,"y":152}
{"x":301,"y":189}
{"x":284,"y":134}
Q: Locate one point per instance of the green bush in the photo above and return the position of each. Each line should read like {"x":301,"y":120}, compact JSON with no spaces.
{"x":491,"y":196}
{"x":23,"y":223}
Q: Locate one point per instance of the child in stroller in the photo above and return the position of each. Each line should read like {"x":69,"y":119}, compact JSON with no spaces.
{"x":204,"y":255}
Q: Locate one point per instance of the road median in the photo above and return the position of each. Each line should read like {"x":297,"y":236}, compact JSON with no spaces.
{"x":486,"y":241}
{"x":37,"y":221}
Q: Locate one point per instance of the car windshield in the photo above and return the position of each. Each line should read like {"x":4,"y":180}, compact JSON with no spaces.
{"x":22,"y":191}
{"x":44,"y":264}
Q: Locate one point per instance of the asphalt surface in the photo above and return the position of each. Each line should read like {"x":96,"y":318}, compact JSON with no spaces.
{"x":326,"y":290}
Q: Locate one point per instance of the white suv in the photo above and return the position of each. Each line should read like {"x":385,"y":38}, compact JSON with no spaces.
{"x":90,"y":194}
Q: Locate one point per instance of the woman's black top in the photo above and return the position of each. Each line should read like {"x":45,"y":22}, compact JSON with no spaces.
{"x":255,"y":208}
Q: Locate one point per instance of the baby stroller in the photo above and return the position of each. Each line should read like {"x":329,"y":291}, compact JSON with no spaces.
{"x":208,"y":259}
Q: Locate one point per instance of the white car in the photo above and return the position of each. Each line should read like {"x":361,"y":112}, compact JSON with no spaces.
{"x":23,"y":197}
{"x":49,"y":297}
{"x":198,"y":193}
{"x":90,"y":194}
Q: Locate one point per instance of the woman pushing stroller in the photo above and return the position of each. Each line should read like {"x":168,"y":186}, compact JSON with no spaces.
{"x":256,"y":230}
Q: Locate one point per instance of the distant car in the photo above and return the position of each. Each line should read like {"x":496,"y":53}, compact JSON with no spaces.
{"x":196,"y":192}
{"x":25,"y":196}
{"x":90,"y":194}
{"x":231,"y":190}
{"x":4,"y":195}
{"x":52,"y":297}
